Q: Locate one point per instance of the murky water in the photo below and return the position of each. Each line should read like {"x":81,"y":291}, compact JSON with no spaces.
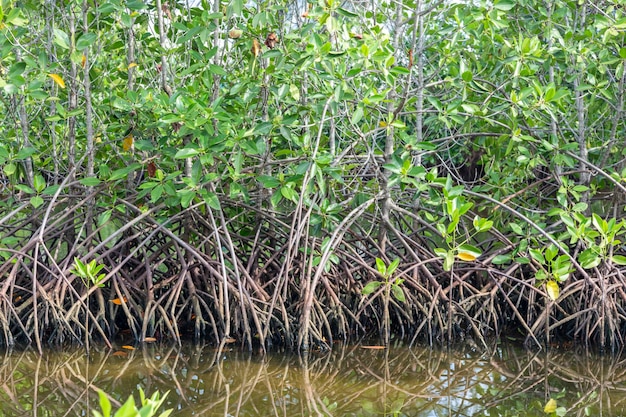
{"x":350,"y":381}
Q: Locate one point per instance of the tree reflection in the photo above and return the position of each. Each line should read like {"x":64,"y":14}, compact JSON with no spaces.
{"x":349,"y":381}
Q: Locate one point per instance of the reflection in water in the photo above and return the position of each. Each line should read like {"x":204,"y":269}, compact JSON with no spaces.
{"x":350,"y":381}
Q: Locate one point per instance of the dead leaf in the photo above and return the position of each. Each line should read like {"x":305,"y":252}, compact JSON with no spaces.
{"x":120,"y":353}
{"x":373,"y":347}
{"x":118,"y":301}
{"x":271,"y":40}
{"x":83,"y":61}
{"x":128,"y":347}
{"x":229,"y":340}
{"x":235,"y":33}
{"x":256,"y":48}
{"x":151,"y":168}
{"x":149,"y":339}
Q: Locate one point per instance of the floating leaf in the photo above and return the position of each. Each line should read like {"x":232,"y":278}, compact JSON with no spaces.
{"x":149,"y":339}
{"x":128,"y":347}
{"x":120,"y":353}
{"x":57,"y":79}
{"x":127,"y":143}
{"x":550,"y":406}
{"x":553,"y":292}
{"x":373,"y":347}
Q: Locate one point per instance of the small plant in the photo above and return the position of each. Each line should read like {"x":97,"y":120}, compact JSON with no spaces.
{"x":391,"y":286}
{"x":387,"y":273}
{"x":90,"y":272}
{"x":149,"y":406}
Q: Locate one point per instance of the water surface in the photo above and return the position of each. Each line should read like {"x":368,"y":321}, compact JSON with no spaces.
{"x":349,"y":381}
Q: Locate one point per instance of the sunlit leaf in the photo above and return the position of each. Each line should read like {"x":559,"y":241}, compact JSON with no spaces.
{"x":57,"y":79}
{"x":552,"y":289}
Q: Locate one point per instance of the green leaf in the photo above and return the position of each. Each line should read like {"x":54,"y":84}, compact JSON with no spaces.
{"x":186,"y":196}
{"x":397,"y":292}
{"x":25,"y":153}
{"x":619,"y":259}
{"x":61,"y":39}
{"x":85,"y":41}
{"x":39,"y":183}
{"x":24,"y":188}
{"x":211,"y":200}
{"x":391,"y":268}
{"x":128,"y":409}
{"x":105,"y":404}
{"x":381,"y":267}
{"x":537,"y":256}
{"x":90,"y":181}
{"x":589,"y":259}
{"x":502,"y":259}
{"x":9,"y":169}
{"x":268,"y":181}
{"x":357,"y":115}
{"x":448,"y":261}
{"x":371,"y":287}
{"x":123,"y":172}
{"x":104,"y":217}
{"x":289,"y":194}
{"x":186,"y":153}
{"x":36,"y":201}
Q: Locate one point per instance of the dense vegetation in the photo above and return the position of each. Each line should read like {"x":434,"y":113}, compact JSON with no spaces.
{"x":292,"y":173}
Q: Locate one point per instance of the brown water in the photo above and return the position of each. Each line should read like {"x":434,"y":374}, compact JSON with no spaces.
{"x":350,"y":381}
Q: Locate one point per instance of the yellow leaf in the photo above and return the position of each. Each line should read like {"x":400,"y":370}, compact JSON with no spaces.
{"x":132,"y":65}
{"x":57,"y":79}
{"x":128,"y":347}
{"x":83,"y":61}
{"x":127,"y":143}
{"x":382,"y":124}
{"x":550,"y":406}
{"x":553,"y":290}
{"x":466,"y":256}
